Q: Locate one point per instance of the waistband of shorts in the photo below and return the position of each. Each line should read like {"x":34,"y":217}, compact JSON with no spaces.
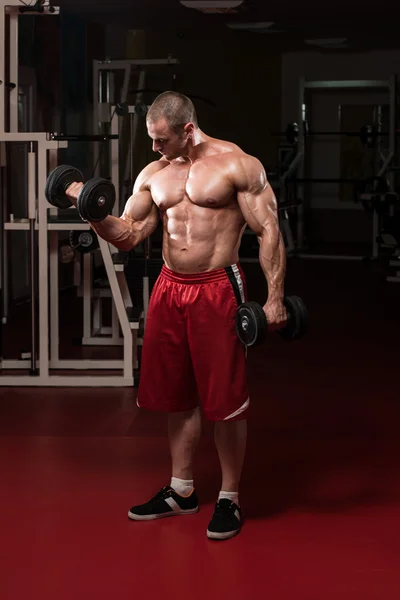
{"x":204,"y":277}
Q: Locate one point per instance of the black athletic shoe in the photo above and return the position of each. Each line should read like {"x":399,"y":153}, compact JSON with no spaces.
{"x":167,"y":503}
{"x":226,"y":520}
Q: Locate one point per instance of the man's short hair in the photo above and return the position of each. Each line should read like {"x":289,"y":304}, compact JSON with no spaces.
{"x":175,"y":108}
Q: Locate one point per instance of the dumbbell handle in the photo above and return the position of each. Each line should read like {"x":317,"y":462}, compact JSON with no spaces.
{"x":74,"y":196}
{"x":245,"y":321}
{"x":288,"y":319}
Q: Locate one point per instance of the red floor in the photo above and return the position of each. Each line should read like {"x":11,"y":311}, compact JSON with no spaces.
{"x":320,"y":489}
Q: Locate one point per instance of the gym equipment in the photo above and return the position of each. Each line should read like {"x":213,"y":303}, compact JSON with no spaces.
{"x":368,"y":134}
{"x":61,"y":137}
{"x":96,"y":198}
{"x":371,"y":192}
{"x":66,"y":253}
{"x":83,"y":241}
{"x":105,"y":73}
{"x":140,"y":109}
{"x":252,"y":325}
{"x":57,"y":183}
{"x":41,"y":364}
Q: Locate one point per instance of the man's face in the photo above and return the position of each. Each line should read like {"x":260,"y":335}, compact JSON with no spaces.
{"x":165,"y":141}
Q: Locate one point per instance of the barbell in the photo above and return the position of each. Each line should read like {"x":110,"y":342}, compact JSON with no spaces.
{"x":367,"y":134}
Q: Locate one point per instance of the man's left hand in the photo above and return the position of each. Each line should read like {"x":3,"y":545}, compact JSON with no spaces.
{"x":276,"y":314}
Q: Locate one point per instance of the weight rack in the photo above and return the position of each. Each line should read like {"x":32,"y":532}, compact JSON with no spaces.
{"x":44,"y":222}
{"x":297,"y":165}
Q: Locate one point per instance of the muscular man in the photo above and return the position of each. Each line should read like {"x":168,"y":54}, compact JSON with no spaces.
{"x":205,"y":191}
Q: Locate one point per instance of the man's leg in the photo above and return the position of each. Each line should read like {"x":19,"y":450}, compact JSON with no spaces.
{"x":184,"y":429}
{"x":219,"y":363}
{"x":167,"y":384}
{"x":230,"y":441}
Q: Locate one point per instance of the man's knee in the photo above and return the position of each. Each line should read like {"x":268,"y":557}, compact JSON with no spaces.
{"x":228,"y":415}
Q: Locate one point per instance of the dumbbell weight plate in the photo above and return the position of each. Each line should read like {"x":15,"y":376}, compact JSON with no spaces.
{"x":297,"y":323}
{"x":96,"y":199}
{"x":57,"y":183}
{"x":83,"y":241}
{"x":251,"y":324}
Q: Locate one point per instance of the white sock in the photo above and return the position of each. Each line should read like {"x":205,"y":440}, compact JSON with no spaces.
{"x":183,"y":487}
{"x":232,"y":496}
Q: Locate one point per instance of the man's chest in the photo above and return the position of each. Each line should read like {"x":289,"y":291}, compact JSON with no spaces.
{"x":205,"y":183}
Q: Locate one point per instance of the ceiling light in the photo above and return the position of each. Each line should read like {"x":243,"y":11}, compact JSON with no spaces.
{"x":262,"y":26}
{"x":328,"y":42}
{"x":212,"y":6}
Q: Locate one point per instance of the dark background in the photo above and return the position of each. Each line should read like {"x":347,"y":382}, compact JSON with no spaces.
{"x":245,"y":64}
{"x":250,"y":75}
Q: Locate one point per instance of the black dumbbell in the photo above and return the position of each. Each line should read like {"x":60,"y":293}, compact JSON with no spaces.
{"x":252,"y":325}
{"x":96,"y":198}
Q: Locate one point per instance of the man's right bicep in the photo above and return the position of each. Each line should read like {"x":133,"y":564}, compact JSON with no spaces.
{"x":141,"y":215}
{"x":139,"y":206}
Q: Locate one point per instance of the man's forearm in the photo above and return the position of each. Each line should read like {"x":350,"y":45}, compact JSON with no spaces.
{"x":122,"y":234}
{"x":273,"y":261}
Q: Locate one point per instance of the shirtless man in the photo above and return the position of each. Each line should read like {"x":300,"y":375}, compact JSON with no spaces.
{"x":205,"y":191}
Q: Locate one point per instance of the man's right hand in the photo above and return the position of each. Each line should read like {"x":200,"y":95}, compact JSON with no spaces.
{"x":73,"y":190}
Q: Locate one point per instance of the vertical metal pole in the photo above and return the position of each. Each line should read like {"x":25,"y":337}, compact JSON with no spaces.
{"x":134,"y":129}
{"x":3,"y":232}
{"x":100,"y":86}
{"x":114,"y":158}
{"x":33,"y":257}
{"x":2,"y":67}
{"x":125,"y":85}
{"x":96,"y":129}
{"x":44,"y":265}
{"x":300,"y":150}
{"x":95,"y":97}
{"x":87,"y":295}
{"x":4,"y":256}
{"x":13,"y":92}
{"x":54,"y":299}
{"x":97,"y":112}
{"x":34,"y":370}
{"x":53,"y":273}
{"x":110,"y":87}
{"x":392,"y":123}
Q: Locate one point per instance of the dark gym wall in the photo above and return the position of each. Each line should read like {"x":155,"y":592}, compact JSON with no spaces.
{"x":234,"y":71}
{"x":60,"y":49}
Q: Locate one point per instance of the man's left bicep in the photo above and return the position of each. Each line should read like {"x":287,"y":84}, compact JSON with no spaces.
{"x":258,"y":208}
{"x":255,"y":196}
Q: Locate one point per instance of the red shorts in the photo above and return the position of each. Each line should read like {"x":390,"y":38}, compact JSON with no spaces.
{"x":191,"y":354}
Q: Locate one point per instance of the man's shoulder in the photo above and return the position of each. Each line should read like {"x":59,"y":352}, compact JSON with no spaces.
{"x":224,"y":146}
{"x":237,"y":158}
{"x":155,"y":166}
{"x":244,"y":169}
{"x":143,"y":179}
{"x":234,"y":153}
